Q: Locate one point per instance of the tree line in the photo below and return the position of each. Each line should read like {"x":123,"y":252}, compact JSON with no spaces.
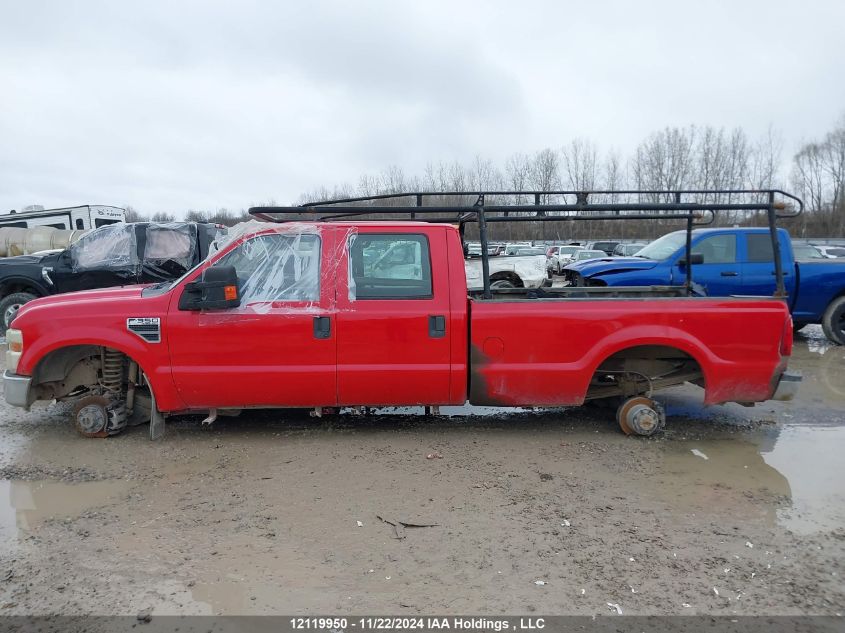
{"x":691,"y":158}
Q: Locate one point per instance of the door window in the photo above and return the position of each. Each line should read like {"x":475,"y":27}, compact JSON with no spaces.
{"x":111,"y":247}
{"x":277,"y":267}
{"x":718,"y":249}
{"x":384,"y":266}
{"x":759,"y":248}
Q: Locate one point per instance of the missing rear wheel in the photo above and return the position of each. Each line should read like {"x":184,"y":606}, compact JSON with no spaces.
{"x":640,"y":416}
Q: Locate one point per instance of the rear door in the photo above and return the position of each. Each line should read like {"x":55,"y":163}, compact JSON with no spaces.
{"x":167,"y":251}
{"x":758,"y":268}
{"x":393,"y":332}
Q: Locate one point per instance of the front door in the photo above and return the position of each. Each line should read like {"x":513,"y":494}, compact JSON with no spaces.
{"x":278,"y":348}
{"x":393,"y":318}
{"x":101,"y":259}
{"x":719,"y":273}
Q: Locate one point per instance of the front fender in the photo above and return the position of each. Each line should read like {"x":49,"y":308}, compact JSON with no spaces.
{"x":99,"y":317}
{"x":152,"y":358}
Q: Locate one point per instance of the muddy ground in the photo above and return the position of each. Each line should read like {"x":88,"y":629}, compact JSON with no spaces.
{"x":730,"y":511}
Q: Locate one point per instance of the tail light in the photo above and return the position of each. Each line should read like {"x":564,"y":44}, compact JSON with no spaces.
{"x":786,"y":338}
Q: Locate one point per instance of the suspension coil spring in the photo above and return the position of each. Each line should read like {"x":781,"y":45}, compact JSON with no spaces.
{"x":113,"y":370}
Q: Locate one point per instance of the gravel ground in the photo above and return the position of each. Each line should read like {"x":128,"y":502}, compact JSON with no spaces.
{"x":730,"y":511}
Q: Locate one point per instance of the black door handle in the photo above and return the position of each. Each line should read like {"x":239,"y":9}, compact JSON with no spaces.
{"x":437,"y":326}
{"x":784,"y":273}
{"x":729,"y":273}
{"x":322,"y":327}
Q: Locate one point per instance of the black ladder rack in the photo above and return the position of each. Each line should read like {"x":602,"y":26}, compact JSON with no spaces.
{"x":697,"y":206}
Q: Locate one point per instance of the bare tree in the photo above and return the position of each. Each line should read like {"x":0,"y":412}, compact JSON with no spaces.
{"x":133,"y":215}
{"x":614,"y":177}
{"x":664,"y":161}
{"x":808,"y":175}
{"x":544,"y":174}
{"x":484,"y":175}
{"x":673,"y":158}
{"x":834,"y":164}
{"x":580,"y":172}
{"x":765,"y":160}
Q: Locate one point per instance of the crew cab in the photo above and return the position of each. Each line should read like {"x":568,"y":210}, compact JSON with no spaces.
{"x":730,"y":261}
{"x":113,"y":255}
{"x":328,"y":314}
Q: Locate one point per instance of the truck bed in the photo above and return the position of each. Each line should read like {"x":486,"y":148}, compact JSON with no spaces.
{"x":563,"y":350}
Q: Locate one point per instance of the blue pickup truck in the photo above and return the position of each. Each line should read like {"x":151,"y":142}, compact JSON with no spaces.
{"x":729,"y":261}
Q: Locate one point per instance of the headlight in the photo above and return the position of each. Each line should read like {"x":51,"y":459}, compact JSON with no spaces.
{"x":14,"y":342}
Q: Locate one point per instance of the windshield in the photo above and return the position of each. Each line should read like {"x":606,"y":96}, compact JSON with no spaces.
{"x":568,"y":250}
{"x":664,"y":247}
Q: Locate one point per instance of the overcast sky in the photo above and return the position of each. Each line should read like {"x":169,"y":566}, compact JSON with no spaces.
{"x":174,"y":105}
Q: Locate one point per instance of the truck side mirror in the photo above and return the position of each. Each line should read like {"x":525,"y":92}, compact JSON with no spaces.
{"x":217,"y":289}
{"x":695,"y":258}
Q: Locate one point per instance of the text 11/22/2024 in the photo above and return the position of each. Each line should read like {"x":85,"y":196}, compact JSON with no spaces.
{"x":432,"y":623}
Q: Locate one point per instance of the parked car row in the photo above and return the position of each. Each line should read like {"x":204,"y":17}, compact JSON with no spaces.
{"x":560,"y":256}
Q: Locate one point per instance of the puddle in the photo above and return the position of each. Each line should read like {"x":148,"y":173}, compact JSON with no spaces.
{"x":790,"y":477}
{"x":811,"y":458}
{"x":821,"y":363}
{"x":26,"y":504}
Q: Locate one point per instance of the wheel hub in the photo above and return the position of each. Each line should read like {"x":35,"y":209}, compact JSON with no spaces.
{"x":643,"y":419}
{"x":91,"y":419}
{"x":640,"y":416}
{"x":10,"y":313}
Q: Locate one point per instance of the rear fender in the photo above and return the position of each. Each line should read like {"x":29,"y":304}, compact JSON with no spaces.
{"x":654,"y":335}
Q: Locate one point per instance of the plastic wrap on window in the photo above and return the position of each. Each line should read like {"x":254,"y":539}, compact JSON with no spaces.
{"x":281,"y":266}
{"x":112,"y":247}
{"x":353,"y":291}
{"x":170,"y":250}
{"x":235,"y":233}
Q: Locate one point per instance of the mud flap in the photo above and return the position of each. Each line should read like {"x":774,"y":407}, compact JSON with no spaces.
{"x":156,"y":420}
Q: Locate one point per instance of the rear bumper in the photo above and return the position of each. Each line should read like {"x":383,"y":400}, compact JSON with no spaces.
{"x":787,"y":386}
{"x":16,"y":389}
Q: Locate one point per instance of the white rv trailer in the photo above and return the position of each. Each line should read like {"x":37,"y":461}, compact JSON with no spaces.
{"x":81,"y":218}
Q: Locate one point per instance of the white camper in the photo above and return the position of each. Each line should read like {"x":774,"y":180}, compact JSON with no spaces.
{"x":81,"y":218}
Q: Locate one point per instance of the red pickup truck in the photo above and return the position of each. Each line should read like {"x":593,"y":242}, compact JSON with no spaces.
{"x":354,"y":313}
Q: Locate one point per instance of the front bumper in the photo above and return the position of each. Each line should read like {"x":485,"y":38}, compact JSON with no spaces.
{"x":788,"y":384}
{"x":16,"y":389}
